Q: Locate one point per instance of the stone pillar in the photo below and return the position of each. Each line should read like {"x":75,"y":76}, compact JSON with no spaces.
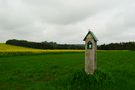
{"x":90,"y":53}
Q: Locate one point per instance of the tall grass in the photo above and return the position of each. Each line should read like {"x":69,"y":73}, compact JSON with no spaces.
{"x":79,"y":80}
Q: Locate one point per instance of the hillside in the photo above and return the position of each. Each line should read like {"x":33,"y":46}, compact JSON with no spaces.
{"x":11,"y":48}
{"x":17,"y":50}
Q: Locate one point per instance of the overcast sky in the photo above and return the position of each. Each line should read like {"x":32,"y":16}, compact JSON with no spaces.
{"x":67,"y":21}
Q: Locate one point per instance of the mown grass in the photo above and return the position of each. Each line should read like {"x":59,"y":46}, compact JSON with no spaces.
{"x":57,"y":71}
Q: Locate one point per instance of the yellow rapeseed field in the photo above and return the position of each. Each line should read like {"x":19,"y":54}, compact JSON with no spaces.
{"x":14,"y":49}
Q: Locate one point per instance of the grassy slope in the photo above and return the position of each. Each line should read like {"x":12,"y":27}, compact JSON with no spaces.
{"x":39,"y":72}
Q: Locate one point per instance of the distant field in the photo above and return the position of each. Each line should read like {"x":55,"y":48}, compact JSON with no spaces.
{"x":16,"y":50}
{"x":48,"y":71}
{"x":11,"y":48}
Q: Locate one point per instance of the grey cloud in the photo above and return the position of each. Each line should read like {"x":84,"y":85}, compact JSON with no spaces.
{"x":67,"y":21}
{"x":67,"y":12}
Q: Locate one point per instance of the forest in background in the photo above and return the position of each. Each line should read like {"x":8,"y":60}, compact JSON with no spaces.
{"x":44,"y":44}
{"x":118,"y":46}
{"x":54,"y":45}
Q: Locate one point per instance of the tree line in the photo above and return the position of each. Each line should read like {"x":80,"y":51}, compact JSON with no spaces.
{"x":44,"y":44}
{"x":118,"y":46}
{"x":54,"y":45}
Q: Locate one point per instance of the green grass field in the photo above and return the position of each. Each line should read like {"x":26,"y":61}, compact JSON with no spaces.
{"x":49,"y":71}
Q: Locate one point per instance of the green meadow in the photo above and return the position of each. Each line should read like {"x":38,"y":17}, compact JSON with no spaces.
{"x":54,"y":71}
